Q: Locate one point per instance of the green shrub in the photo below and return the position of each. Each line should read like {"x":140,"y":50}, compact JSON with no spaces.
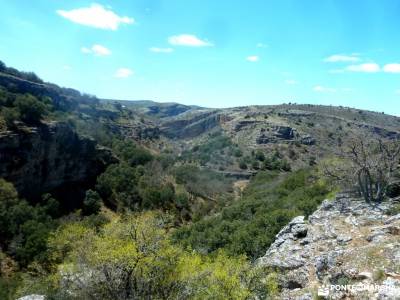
{"x":249,"y":226}
{"x":92,"y":203}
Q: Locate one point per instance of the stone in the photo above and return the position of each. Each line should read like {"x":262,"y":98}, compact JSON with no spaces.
{"x":343,"y":239}
{"x":32,"y":297}
{"x":332,"y":248}
{"x":307,"y":140}
{"x":390,"y":289}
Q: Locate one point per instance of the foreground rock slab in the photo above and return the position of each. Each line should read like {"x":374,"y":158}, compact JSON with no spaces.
{"x":346,"y":246}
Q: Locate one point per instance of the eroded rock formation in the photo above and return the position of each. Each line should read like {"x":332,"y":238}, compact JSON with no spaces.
{"x":346,"y":241}
{"x":50,"y":157}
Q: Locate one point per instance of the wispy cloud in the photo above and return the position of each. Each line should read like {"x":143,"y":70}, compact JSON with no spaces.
{"x":188,"y":40}
{"x":123,"y":73}
{"x":323,"y":89}
{"x":262,"y":45}
{"x":342,"y":58}
{"x":291,"y":81}
{"x":392,"y":68}
{"x":97,"y":50}
{"x":365,"y":68}
{"x":397,"y":92}
{"x":161,"y":50}
{"x":253,"y":58}
{"x":96,"y":16}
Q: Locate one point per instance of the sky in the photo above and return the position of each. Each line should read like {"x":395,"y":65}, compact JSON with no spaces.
{"x":212,"y":53}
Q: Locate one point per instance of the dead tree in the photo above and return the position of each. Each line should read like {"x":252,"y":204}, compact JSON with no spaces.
{"x":369,"y":165}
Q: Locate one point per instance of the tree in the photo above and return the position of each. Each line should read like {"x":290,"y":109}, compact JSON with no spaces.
{"x":23,"y":226}
{"x":368,"y":165}
{"x":92,"y":203}
{"x":31,"y":110}
{"x":10,"y":115}
{"x":132,"y":258}
{"x":118,"y":186}
{"x":132,"y":154}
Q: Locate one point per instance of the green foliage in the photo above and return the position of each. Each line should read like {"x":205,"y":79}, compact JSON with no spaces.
{"x":118,"y":186}
{"x":23,"y":226}
{"x":250,"y":225}
{"x":133,"y":257}
{"x":202,"y":182}
{"x":275,"y":162}
{"x":131,"y":153}
{"x":23,"y":107}
{"x":216,"y":151}
{"x":92,"y":203}
{"x":31,"y":110}
{"x":393,"y":210}
{"x":243,"y":164}
{"x":260,"y":155}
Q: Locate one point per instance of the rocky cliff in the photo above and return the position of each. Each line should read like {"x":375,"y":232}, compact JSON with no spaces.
{"x":345,"y":242}
{"x":50,"y":158}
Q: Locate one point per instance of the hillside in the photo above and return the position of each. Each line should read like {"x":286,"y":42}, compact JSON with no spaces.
{"x":169,"y":201}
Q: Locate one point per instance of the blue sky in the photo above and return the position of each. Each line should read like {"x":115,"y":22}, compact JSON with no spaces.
{"x":212,"y":53}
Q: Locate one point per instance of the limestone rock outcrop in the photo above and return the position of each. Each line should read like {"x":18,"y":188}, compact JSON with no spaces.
{"x":346,"y":241}
{"x":49,"y":157}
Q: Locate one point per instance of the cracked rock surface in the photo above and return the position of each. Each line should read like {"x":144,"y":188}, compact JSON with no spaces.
{"x":345,"y":242}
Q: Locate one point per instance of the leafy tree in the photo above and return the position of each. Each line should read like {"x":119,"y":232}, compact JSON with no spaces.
{"x":132,"y":154}
{"x":30,"y":109}
{"x":10,"y":115}
{"x":260,"y":155}
{"x":132,"y":258}
{"x":118,"y":186}
{"x":249,"y":226}
{"x":242,"y":164}
{"x":92,"y":203}
{"x":24,"y":227}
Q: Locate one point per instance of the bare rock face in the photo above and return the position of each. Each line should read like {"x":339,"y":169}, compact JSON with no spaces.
{"x":346,"y":241}
{"x":50,"y":157}
{"x":192,"y":125}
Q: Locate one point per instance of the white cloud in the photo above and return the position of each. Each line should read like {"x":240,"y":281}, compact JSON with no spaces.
{"x":291,"y":81}
{"x":100,"y":50}
{"x":86,"y":50}
{"x":392,"y":68}
{"x":397,"y":92}
{"x":366,"y":68}
{"x":97,"y":50}
{"x":161,"y":50}
{"x":188,"y":40}
{"x":253,"y":58}
{"x":123,"y":73}
{"x":262,"y":45}
{"x":342,"y":58}
{"x":67,"y":68}
{"x":323,"y":89}
{"x":95,"y":16}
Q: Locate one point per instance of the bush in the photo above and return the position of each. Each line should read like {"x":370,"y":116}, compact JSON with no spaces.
{"x":117,"y":186}
{"x":10,"y":115}
{"x":242,"y":165}
{"x":92,"y":203}
{"x":250,"y":225}
{"x":202,"y":182}
{"x":133,"y":257}
{"x":131,"y":153}
{"x":24,"y":227}
{"x":30,"y":109}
